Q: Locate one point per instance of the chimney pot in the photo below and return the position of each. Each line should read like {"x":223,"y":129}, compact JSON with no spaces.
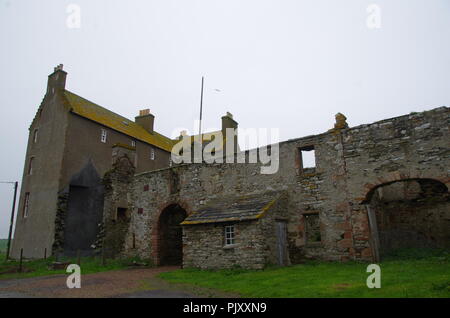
{"x":144,"y":112}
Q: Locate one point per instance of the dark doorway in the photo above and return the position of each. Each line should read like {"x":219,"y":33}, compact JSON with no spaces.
{"x":84,"y":212}
{"x":408,"y":214}
{"x":171,"y":235}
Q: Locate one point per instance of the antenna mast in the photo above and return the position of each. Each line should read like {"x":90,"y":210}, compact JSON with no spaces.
{"x":201,"y":110}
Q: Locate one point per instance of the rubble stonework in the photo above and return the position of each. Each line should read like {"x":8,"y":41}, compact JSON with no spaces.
{"x":351,"y":164}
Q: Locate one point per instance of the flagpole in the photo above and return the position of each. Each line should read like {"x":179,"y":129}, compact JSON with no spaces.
{"x":201,"y":110}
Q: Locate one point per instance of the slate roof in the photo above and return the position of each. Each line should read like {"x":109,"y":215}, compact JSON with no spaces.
{"x":248,"y":207}
{"x":101,"y":115}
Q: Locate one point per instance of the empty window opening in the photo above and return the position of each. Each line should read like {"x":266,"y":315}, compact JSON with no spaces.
{"x":134,"y":241}
{"x":229,"y":235}
{"x":312,"y":228}
{"x":122,"y":214}
{"x":307,"y":158}
{"x":26,"y":204}
{"x":30,"y":166}
{"x":103,"y":135}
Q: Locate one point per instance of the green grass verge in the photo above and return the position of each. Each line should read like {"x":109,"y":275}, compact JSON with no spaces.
{"x":35,"y":268}
{"x":3,"y":244}
{"x":407,"y":275}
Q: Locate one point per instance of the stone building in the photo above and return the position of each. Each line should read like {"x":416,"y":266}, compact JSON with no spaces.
{"x":373,"y":188}
{"x":69,"y":151}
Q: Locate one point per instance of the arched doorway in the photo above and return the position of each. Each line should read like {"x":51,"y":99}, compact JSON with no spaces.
{"x":408,"y":214}
{"x":170,"y":235}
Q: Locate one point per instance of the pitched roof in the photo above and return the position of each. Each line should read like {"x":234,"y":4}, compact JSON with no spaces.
{"x":248,"y":207}
{"x":101,"y":115}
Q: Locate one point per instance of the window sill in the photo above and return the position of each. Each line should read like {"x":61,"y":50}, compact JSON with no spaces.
{"x":314,"y":244}
{"x":229,"y":247}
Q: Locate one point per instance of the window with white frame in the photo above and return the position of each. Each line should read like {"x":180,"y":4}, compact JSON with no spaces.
{"x":170,"y":161}
{"x":133,"y":143}
{"x":229,"y":235}
{"x":152,"y":154}
{"x":26,"y":204}
{"x":103,"y":135}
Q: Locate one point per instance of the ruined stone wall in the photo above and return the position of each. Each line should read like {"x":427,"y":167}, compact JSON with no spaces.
{"x":350,"y":164}
{"x":117,"y":209}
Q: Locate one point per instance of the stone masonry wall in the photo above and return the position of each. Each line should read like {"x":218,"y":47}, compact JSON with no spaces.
{"x":350,"y":164}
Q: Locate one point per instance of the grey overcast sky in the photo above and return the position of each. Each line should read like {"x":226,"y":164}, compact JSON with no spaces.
{"x":287,"y":64}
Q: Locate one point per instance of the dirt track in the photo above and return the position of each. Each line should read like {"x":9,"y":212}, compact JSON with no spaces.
{"x":134,"y":283}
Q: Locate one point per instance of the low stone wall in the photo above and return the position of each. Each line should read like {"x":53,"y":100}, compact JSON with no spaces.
{"x":203,"y":246}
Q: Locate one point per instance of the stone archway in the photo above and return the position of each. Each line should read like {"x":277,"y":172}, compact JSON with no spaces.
{"x":170,"y":235}
{"x":408,"y":213}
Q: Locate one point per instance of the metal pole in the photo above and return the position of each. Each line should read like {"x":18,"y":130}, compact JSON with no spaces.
{"x":78,"y":257}
{"x":201,"y":110}
{"x":20,"y":261}
{"x":12,"y":220}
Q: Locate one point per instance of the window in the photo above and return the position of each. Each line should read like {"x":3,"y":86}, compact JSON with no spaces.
{"x":122,"y":214}
{"x":103,"y":136}
{"x":170,"y":161}
{"x":152,"y":154}
{"x":30,"y":166}
{"x":133,"y":143}
{"x":229,"y":235}
{"x":35,"y":136}
{"x":26,"y":204}
{"x":307,"y":158}
{"x":312,"y":228}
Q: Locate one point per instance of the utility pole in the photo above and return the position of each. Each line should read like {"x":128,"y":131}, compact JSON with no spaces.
{"x":12,"y":218}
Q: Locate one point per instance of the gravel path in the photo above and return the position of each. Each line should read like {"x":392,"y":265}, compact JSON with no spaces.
{"x":129,"y":283}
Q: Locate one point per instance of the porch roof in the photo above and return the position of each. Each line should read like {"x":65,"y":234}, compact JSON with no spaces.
{"x":233,"y":209}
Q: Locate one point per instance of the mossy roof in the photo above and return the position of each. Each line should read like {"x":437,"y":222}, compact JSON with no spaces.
{"x":233,"y":209}
{"x":105,"y":117}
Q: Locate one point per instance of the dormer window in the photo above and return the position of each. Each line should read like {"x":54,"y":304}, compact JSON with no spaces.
{"x":103,"y":136}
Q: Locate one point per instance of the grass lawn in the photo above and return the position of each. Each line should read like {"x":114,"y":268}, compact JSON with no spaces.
{"x":34,"y":268}
{"x":408,"y":274}
{"x":3,"y":243}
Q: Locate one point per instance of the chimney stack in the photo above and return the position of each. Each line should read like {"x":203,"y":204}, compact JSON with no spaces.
{"x":56,"y":80}
{"x":229,"y":122}
{"x":146,"y":120}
